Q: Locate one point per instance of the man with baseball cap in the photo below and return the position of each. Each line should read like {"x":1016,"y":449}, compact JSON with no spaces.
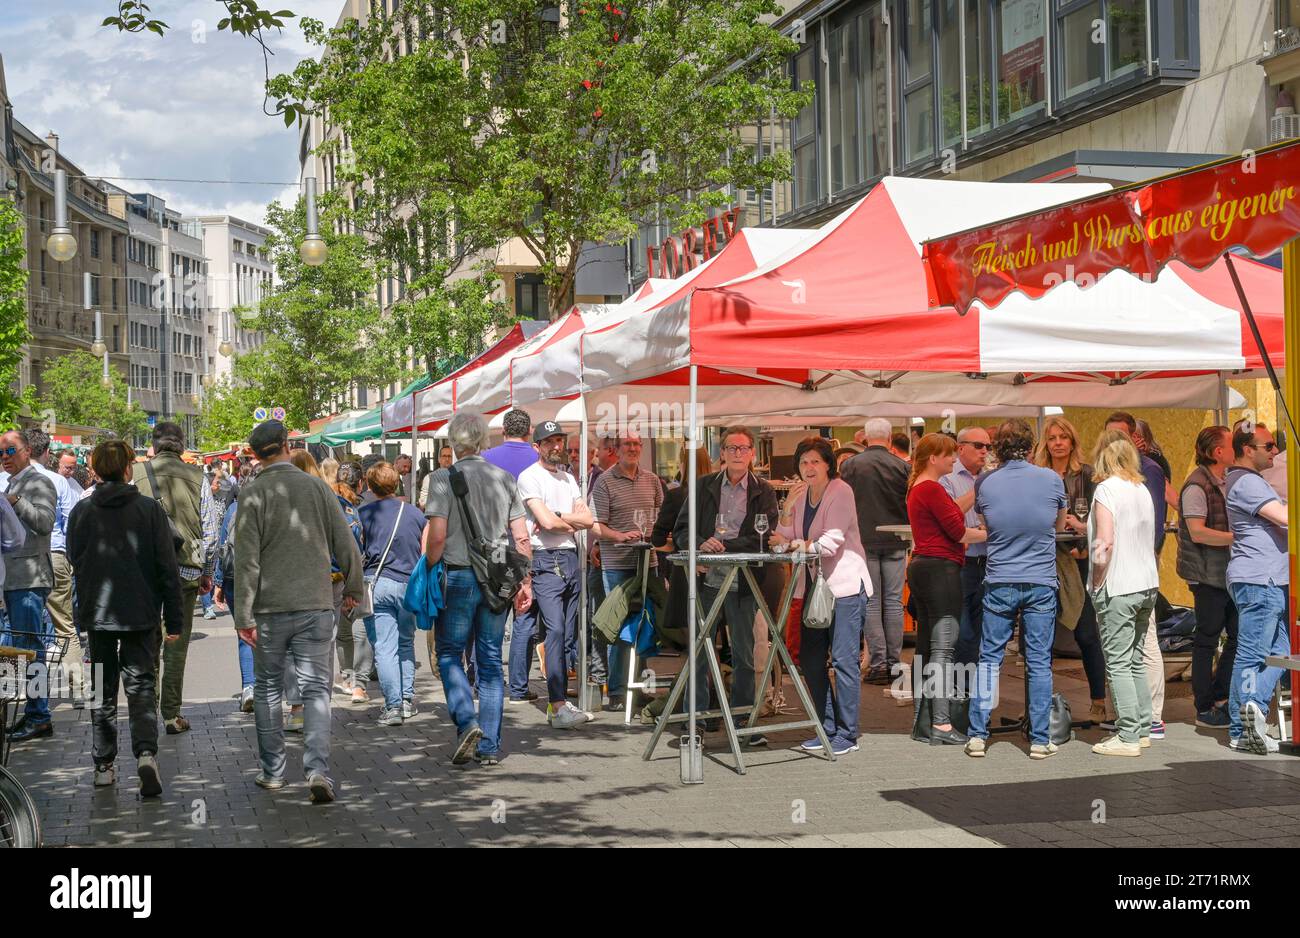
{"x":288,"y":526}
{"x":555,"y":512}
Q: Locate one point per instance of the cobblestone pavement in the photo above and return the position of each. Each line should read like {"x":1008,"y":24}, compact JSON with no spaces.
{"x":590,"y":786}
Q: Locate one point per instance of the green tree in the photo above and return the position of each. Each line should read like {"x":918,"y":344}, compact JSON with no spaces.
{"x":321,"y":325}
{"x":227,"y":414}
{"x":74,"y":394}
{"x":558,"y":124}
{"x":13,"y":313}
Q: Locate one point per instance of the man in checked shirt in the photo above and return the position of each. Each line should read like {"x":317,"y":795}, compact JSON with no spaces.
{"x":187,"y":499}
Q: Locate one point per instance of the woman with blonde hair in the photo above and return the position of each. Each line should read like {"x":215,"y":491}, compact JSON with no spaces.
{"x":306,"y":462}
{"x":329,"y":470}
{"x":1122,"y":582}
{"x":939,"y":539}
{"x":1059,"y":449}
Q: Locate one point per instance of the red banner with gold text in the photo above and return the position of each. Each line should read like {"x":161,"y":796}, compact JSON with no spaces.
{"x":1193,"y":217}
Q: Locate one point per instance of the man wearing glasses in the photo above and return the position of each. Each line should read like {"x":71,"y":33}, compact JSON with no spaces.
{"x":1258,"y":578}
{"x":732,"y":497}
{"x":619,"y":493}
{"x":972,"y":453}
{"x":29,"y":575}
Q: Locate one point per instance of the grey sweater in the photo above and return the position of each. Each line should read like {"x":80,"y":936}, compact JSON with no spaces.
{"x":287,"y":527}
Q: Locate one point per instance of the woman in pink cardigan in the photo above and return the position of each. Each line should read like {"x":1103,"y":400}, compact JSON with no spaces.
{"x":825,"y":522}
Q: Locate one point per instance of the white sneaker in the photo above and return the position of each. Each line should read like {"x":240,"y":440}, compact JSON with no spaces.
{"x":105,"y":777}
{"x":1254,"y":731}
{"x":246,"y":700}
{"x":150,"y":781}
{"x":1043,"y":750}
{"x":408,"y":709}
{"x":210,"y":613}
{"x":566,"y":717}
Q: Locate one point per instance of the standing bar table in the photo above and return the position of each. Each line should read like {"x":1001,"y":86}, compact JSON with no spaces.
{"x":735,"y":565}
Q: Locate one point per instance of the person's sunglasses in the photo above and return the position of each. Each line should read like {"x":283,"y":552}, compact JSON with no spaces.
{"x":1268,"y":447}
{"x":10,"y":451}
{"x":977,"y":445}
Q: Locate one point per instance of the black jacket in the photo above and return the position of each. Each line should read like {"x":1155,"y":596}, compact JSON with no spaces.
{"x":760,"y":498}
{"x":879,"y":482}
{"x":121,"y":551}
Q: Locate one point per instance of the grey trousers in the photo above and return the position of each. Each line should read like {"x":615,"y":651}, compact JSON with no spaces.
{"x":883,"y":629}
{"x":303,"y":638}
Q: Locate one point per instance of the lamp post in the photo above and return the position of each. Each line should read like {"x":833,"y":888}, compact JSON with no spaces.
{"x":97,"y":347}
{"x":313,"y":249}
{"x":61,"y":245}
{"x":225,"y":348}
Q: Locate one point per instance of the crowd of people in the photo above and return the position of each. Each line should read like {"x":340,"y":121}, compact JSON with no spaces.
{"x":992,"y":531}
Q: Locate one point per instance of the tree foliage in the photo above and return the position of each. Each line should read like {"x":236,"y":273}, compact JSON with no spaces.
{"x":227,"y":415}
{"x":555,"y":124}
{"x":13,"y":313}
{"x":74,"y":394}
{"x":321,"y":325}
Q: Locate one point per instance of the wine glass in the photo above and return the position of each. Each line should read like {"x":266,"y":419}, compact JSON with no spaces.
{"x":639,"y":519}
{"x":760,"y":526}
{"x":721,"y":529}
{"x":1081,"y":509}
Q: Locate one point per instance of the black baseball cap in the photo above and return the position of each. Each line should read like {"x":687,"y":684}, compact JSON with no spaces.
{"x":267,"y":438}
{"x":546,"y":429}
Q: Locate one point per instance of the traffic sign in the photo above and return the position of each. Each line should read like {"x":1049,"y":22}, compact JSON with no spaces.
{"x":277,"y":413}
{"x":152,"y":420}
{"x":259,"y":414}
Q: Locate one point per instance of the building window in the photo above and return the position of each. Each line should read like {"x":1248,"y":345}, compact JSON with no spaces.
{"x":1100,"y":41}
{"x":94,"y":289}
{"x":1021,"y":44}
{"x":530,"y":297}
{"x":803,"y":131}
{"x":94,"y":244}
{"x":918,"y":81}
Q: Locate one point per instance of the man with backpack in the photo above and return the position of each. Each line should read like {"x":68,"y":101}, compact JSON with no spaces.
{"x":474,"y":511}
{"x":187,"y":499}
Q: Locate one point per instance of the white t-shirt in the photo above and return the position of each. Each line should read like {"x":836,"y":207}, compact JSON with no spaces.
{"x":557,"y":491}
{"x":1132,"y":567}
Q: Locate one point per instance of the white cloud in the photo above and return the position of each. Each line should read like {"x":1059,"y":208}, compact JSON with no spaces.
{"x":168,"y":108}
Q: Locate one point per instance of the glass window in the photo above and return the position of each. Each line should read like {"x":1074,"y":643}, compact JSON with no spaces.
{"x":1083,"y":43}
{"x":917,"y":52}
{"x":804,"y":133}
{"x":875,"y":93}
{"x":1127,"y":38}
{"x":950,"y":74}
{"x":919,"y":112}
{"x":979,"y":68}
{"x":1020,"y":43}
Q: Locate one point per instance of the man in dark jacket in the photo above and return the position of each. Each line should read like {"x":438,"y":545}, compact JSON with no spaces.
{"x":738,"y":496}
{"x":121,"y":550}
{"x":879,"y":482}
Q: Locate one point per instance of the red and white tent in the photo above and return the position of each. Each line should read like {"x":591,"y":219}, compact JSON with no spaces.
{"x":849,"y":307}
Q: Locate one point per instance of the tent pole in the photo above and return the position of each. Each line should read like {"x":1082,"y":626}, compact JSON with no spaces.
{"x":1259,"y":343}
{"x":584,"y":624}
{"x":1223,"y":400}
{"x":1291,"y":329}
{"x":692,"y":763}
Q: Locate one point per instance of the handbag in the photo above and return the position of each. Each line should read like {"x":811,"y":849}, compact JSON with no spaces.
{"x":1059,"y":730}
{"x":819,"y":603}
{"x":366,"y":607}
{"x":498,"y":566}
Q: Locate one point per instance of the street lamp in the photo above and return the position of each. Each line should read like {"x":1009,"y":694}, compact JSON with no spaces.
{"x":207,"y":379}
{"x":225,"y":348}
{"x":97,"y":347}
{"x":106,"y":379}
{"x":61,"y":245}
{"x":313,"y":249}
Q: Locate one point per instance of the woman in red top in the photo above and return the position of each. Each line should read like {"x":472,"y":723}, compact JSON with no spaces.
{"x":939,"y":536}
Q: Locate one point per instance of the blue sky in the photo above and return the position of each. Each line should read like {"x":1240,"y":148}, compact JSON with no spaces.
{"x":187,"y":105}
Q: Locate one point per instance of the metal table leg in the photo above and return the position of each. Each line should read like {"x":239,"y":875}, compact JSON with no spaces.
{"x":778,"y":645}
{"x":707,"y":624}
{"x":632,"y":684}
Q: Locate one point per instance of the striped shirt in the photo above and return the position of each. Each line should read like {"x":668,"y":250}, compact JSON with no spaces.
{"x":615,"y":499}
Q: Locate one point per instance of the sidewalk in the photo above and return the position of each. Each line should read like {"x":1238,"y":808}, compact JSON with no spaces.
{"x":589,"y":786}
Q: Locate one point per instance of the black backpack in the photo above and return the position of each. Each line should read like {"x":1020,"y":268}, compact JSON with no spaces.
{"x":498,"y":566}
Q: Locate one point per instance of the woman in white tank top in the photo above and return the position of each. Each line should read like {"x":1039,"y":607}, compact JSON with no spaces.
{"x":1122,"y":583}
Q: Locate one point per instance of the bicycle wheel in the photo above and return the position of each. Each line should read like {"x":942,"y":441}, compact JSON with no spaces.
{"x":20,"y":826}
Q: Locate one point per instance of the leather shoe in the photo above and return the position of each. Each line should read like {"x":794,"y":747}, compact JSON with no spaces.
{"x":31,"y":731}
{"x":947,"y":738}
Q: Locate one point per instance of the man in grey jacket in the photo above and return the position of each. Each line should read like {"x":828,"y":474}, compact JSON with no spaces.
{"x":29,"y":574}
{"x":288,"y":526}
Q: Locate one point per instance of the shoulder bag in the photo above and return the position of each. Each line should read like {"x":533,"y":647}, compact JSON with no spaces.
{"x":178,"y":540}
{"x":498,"y":566}
{"x":366,"y":607}
{"x":819,"y":603}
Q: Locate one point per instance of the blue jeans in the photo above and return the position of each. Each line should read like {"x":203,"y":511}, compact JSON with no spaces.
{"x":391,"y":631}
{"x":616,"y":679}
{"x":839,"y":643}
{"x":1037,"y":606}
{"x":1261,"y":631}
{"x":523,"y":642}
{"x":302,"y":638}
{"x":467,"y":613}
{"x":967,"y":649}
{"x":557,"y":591}
{"x":27,"y":614}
